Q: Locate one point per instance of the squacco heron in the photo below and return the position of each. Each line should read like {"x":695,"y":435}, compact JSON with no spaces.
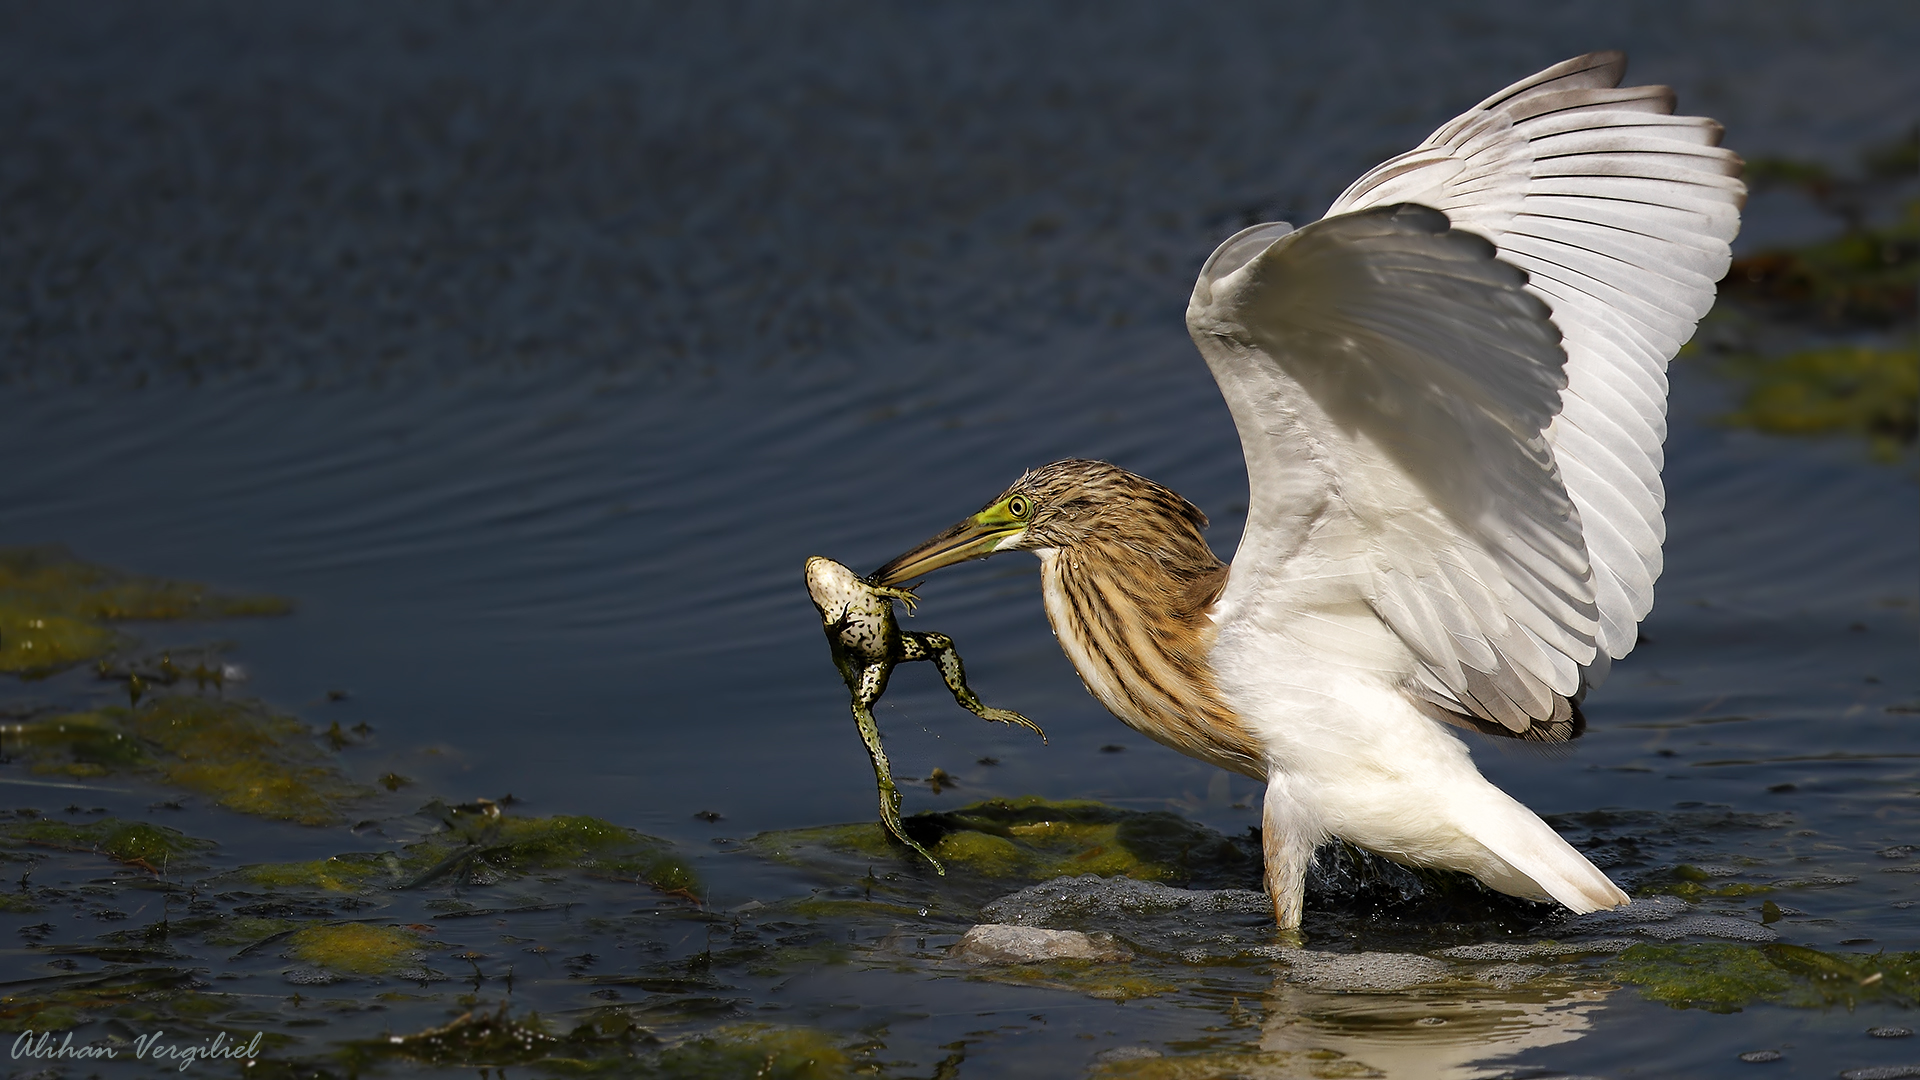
{"x":1451,"y":396}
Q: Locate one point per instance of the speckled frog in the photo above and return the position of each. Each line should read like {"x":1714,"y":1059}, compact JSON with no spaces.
{"x":867,"y":645}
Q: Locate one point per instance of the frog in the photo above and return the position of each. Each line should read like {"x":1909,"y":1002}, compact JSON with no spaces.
{"x":867,"y":643}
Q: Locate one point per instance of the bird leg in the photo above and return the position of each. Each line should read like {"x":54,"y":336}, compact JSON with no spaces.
{"x":1288,"y":842}
{"x":939,"y":648}
{"x":873,"y":683}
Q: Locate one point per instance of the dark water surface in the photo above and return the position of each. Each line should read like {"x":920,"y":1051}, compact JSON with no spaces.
{"x":530,"y":350}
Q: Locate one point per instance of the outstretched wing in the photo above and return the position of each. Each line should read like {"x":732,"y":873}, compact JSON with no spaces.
{"x":1393,"y":383}
{"x":1621,"y":214}
{"x":1463,"y":410}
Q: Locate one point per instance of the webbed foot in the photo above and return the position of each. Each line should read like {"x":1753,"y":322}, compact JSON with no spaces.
{"x":905,"y":596}
{"x":1008,"y":716}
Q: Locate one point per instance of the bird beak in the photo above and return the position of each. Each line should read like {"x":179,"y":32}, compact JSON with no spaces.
{"x":973,"y":538}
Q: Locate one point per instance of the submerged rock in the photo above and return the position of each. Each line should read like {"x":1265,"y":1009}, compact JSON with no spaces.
{"x":1667,"y":918}
{"x":1374,"y":972}
{"x":1194,"y":925}
{"x":1000,"y":943}
{"x":1092,"y":897}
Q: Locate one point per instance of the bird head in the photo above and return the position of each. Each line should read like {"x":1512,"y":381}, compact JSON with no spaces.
{"x":1055,"y":506}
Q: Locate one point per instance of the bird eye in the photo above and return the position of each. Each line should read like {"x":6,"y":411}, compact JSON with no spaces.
{"x":1019,"y":507}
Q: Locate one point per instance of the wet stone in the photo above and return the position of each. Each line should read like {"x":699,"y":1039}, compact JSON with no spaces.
{"x":1882,"y":1072}
{"x":999,"y":943}
{"x":1536,"y":950}
{"x":1127,"y":1053}
{"x":1890,"y":1032}
{"x":1756,"y":1057}
{"x":1666,"y":918}
{"x":310,"y":976}
{"x":1375,"y":972}
{"x":1194,"y":925}
{"x":1092,"y":897}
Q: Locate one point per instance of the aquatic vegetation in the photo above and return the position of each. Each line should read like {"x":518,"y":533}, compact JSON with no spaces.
{"x":54,"y":608}
{"x":356,"y":948}
{"x":151,"y":847}
{"x":1692,"y":884}
{"x":237,"y":752}
{"x":486,"y":1039}
{"x":1245,"y":1061}
{"x":1865,"y":277}
{"x":484,"y":848}
{"x":758,"y":1050}
{"x":608,"y":1040}
{"x":1033,"y":839}
{"x":1829,"y":349}
{"x":351,"y":872}
{"x":64,"y":1002}
{"x":1104,"y":981}
{"x":1837,"y":389}
{"x":487,"y":850}
{"x":1725,"y":977}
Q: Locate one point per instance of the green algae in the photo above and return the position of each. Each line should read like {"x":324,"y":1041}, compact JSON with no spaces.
{"x":757,"y":1050}
{"x":489,"y":847}
{"x":238,"y":753}
{"x":1692,"y":884}
{"x":1865,"y":277}
{"x":239,"y":930}
{"x":54,"y":608}
{"x":609,"y":1041}
{"x":34,"y":641}
{"x":356,"y":948}
{"x":1839,"y":389}
{"x":483,"y":1039}
{"x":1819,"y":335}
{"x":153,"y":847}
{"x":1033,"y":839}
{"x":246,"y":758}
{"x":1240,"y":1062}
{"x":351,"y":872}
{"x":1726,"y":977}
{"x":65,"y":1002}
{"x":1105,"y":981}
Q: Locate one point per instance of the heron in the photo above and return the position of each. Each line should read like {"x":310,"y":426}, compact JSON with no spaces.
{"x":1450,"y":392}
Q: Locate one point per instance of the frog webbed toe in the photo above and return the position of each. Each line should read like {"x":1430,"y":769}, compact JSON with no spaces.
{"x":939,"y":647}
{"x":905,"y":596}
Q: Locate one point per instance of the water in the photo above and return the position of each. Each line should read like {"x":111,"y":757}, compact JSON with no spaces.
{"x":531,"y":351}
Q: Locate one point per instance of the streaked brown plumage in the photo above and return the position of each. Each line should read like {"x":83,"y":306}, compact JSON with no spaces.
{"x":1128,"y":580}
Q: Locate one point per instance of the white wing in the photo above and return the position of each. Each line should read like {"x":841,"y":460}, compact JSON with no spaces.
{"x":1392,"y":383}
{"x":1404,"y":404}
{"x":1621,"y":215}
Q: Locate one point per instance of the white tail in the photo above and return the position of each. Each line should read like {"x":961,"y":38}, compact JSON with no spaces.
{"x":1539,"y":858}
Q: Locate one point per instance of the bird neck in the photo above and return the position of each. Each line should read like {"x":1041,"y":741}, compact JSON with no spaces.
{"x":1133,"y":618}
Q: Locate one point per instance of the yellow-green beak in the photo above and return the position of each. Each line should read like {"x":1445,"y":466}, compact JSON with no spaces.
{"x":973,"y":538}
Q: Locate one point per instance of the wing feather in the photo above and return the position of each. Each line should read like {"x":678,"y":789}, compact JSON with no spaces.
{"x":1424,"y":377}
{"x":1516,"y":590}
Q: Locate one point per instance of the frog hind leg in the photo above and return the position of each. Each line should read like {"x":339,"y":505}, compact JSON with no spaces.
{"x":873,"y":681}
{"x":939,"y":648}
